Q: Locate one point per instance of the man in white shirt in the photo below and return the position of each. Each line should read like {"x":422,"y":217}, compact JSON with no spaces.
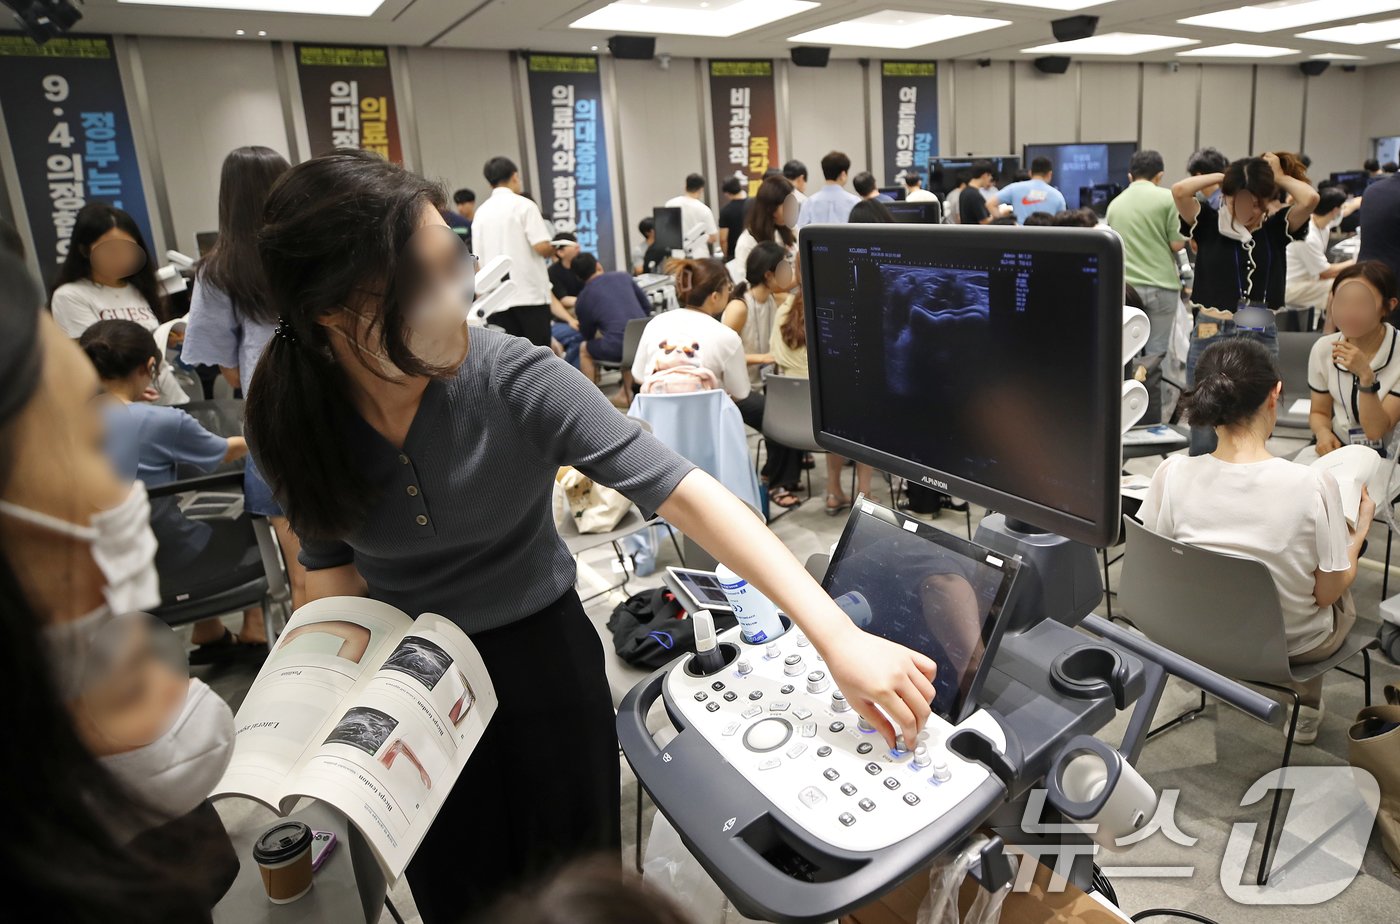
{"x":695,"y":214}
{"x":913,"y":188}
{"x":1309,"y":274}
{"x":831,"y":203}
{"x":508,"y":224}
{"x":796,"y":173}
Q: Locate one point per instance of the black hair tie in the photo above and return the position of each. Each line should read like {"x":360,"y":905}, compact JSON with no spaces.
{"x":285,"y":331}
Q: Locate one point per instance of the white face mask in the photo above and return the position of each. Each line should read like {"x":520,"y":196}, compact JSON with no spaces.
{"x":123,"y":547}
{"x":172,"y":775}
{"x":1232,"y":229}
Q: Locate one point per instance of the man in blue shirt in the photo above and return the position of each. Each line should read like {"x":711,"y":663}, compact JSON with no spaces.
{"x":605,"y":306}
{"x":831,"y":203}
{"x":1034,"y":195}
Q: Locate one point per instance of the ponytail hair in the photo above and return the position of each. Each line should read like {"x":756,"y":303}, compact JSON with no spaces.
{"x":765,"y":258}
{"x":1233,"y":380}
{"x":118,"y":348}
{"x":334,"y":230}
{"x":697,"y":280}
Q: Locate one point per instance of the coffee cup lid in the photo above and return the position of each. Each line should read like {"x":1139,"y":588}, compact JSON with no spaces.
{"x":282,"y":842}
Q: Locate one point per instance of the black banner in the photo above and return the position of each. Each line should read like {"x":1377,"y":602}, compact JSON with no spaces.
{"x":744,"y":106}
{"x":70,"y":134}
{"x":348,"y":95}
{"x":909,"y":92}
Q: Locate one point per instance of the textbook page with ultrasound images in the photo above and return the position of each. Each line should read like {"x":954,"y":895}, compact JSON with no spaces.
{"x":367,"y":710}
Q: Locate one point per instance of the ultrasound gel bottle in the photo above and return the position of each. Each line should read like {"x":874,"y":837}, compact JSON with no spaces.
{"x":758,"y":617}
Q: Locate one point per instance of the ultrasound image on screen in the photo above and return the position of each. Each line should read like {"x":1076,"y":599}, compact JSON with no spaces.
{"x":980,"y":363}
{"x":911,"y":589}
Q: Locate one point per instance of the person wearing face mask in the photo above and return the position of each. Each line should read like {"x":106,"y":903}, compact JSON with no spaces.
{"x":127,"y":747}
{"x":1354,"y":374}
{"x":1309,"y":274}
{"x":108,"y":275}
{"x":416,"y":457}
{"x":1241,"y":261}
{"x":148,"y":442}
{"x":772,"y":217}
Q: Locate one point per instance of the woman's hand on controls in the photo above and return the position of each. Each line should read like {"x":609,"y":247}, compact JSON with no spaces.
{"x":1349,"y":357}
{"x":872,"y":671}
{"x":1327,"y":442}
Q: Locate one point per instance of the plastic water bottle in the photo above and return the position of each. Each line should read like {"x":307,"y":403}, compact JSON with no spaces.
{"x":758,"y":617}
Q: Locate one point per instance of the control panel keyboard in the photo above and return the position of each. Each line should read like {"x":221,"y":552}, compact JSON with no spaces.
{"x":775,"y":715}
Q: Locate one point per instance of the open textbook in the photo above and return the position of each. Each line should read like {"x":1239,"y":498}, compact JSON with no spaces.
{"x":367,"y":710}
{"x":1356,"y":467}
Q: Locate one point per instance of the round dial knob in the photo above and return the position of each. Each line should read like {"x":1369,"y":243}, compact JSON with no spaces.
{"x":792,"y":665}
{"x":864,"y":725}
{"x":838,"y":702}
{"x":770,"y":650}
{"x":921,"y":757}
{"x":802,"y":640}
{"x":816,"y":682}
{"x":941,"y":773}
{"x":744,"y":667}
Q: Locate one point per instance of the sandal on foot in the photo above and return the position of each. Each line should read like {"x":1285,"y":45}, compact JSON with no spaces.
{"x":223,"y":648}
{"x":784,"y":498}
{"x":835,"y":510}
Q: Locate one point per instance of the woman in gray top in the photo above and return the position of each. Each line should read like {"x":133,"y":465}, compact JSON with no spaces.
{"x":416,"y":461}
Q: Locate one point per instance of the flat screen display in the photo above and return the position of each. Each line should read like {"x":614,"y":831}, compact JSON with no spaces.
{"x":703,"y":587}
{"x":669,"y":234}
{"x":894,"y":192}
{"x":1353,"y":181}
{"x":945,"y":173}
{"x":1085,"y":165}
{"x":983,"y":362}
{"x":927,"y":590}
{"x":916,"y":213}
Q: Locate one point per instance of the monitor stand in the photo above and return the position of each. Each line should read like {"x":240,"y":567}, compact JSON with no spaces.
{"x":1059,"y":578}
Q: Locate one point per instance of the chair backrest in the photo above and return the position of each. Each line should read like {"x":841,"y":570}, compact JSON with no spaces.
{"x":706,"y":428}
{"x":221,"y":417}
{"x":787,"y":412}
{"x":1294,"y":347}
{"x":632,"y":339}
{"x":1221,"y":611}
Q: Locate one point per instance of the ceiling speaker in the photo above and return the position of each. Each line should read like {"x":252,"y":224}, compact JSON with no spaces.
{"x":633,"y":47}
{"x":1313,"y":68}
{"x":1052,"y":64}
{"x":1073,"y":28}
{"x":810,"y":55}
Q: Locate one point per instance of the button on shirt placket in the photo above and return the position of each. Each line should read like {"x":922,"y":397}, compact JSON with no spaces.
{"x":416,"y":503}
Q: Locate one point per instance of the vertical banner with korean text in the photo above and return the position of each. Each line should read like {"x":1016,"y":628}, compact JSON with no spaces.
{"x":68,"y":128}
{"x":745,"y":109}
{"x":348,"y":95}
{"x":571,"y":154}
{"x":909,"y":91}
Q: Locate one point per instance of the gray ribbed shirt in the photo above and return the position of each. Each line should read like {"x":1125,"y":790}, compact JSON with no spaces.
{"x":463,"y":523}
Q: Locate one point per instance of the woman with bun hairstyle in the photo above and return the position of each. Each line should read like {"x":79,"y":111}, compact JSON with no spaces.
{"x":1241,"y":253}
{"x":1243,"y":500}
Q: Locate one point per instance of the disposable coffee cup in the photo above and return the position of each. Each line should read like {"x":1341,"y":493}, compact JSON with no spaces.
{"x":283,"y":855}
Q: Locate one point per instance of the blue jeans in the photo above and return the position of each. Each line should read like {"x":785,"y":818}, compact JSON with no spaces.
{"x":569,"y":339}
{"x":1208,"y":330}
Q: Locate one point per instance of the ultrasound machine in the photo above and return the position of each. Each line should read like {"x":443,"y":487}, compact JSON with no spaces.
{"x":984,"y":363}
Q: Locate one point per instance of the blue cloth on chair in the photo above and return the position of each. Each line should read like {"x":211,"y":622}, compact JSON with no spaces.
{"x":706,"y":428}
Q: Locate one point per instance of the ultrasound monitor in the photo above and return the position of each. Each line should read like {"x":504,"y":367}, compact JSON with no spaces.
{"x":927,"y":590}
{"x":982,"y":362}
{"x":945,"y":173}
{"x":1078,"y":166}
{"x":894,"y":192}
{"x":669,"y":233}
{"x":917,"y":213}
{"x":1353,"y":181}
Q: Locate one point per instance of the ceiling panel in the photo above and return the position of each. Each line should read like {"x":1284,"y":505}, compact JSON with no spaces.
{"x":543,"y":25}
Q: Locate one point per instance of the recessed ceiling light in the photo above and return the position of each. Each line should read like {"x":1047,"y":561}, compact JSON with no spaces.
{"x":719,"y":19}
{"x":1238,"y":50}
{"x":1289,"y":14}
{"x":262,"y":32}
{"x":1113,"y":43}
{"x":1054,"y":4}
{"x":309,"y":7}
{"x":1336,"y":56}
{"x":239,"y":32}
{"x":1361,"y":33}
{"x":898,"y":29}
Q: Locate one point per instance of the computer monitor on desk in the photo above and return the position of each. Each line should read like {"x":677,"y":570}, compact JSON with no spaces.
{"x":670,"y":235}
{"x":916,"y":213}
{"x":982,"y":362}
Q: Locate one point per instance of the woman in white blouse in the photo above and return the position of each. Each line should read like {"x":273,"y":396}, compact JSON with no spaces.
{"x":770,"y":218}
{"x":1242,"y":500}
{"x":1354,"y":374}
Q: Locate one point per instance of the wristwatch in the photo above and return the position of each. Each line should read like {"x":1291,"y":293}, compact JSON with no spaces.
{"x":1373,"y":389}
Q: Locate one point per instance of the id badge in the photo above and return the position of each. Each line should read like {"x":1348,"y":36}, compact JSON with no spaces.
{"x":1356,"y":436}
{"x":1205,"y":330}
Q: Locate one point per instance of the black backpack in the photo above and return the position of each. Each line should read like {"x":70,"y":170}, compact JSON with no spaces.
{"x":650,"y":629}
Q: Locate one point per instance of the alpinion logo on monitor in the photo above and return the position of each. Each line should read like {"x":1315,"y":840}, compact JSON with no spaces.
{"x":934,"y":483}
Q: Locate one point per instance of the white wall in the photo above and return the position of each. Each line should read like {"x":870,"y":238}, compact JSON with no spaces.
{"x":1331,"y":138}
{"x":1169,"y":114}
{"x":1046,"y":107}
{"x":1108,"y":101}
{"x":465,"y":114}
{"x":207,"y":98}
{"x":980,"y":115}
{"x":661,"y":125}
{"x":1278,"y":110}
{"x":827,"y":111}
{"x":1381,"y":115}
{"x":1224,"y":119}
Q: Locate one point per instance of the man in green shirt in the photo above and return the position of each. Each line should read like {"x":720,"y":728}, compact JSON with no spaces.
{"x":1145,"y":216}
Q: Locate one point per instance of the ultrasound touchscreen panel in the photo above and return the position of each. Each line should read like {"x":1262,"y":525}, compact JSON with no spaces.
{"x":927,"y":590}
{"x":983,"y":362}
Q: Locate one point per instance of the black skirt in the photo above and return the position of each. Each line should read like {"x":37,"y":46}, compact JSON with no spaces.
{"x":542,"y":787}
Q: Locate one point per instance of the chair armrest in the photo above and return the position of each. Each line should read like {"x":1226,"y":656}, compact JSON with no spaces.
{"x":215,"y":482}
